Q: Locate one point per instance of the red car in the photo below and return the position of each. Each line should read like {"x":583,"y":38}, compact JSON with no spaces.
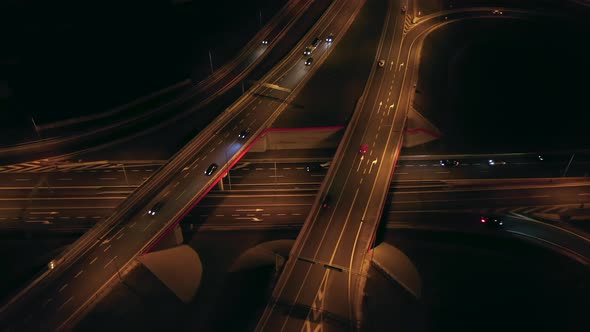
{"x":363,"y":149}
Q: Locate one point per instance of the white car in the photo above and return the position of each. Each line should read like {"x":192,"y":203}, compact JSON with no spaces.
{"x":381,"y":63}
{"x":493,"y":162}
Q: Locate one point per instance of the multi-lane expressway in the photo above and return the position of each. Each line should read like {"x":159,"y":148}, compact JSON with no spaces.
{"x":321,"y":284}
{"x":76,"y":200}
{"x":83,"y":273}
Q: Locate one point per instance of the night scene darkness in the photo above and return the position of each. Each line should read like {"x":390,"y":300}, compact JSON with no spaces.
{"x":295,"y":165}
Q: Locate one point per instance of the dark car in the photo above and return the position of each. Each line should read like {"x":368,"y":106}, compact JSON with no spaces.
{"x":449,"y":163}
{"x":491,"y":221}
{"x":309,"y":61}
{"x":326,"y":203}
{"x":265,"y":42}
{"x":155,"y":208}
{"x":211,"y":169}
{"x":244,"y":133}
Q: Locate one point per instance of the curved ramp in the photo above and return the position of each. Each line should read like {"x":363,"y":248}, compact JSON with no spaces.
{"x":179,"y":268}
{"x":264,"y":254}
{"x":398,"y":267}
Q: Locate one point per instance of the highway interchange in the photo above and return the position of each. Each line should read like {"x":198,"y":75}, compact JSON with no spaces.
{"x":184,"y":185}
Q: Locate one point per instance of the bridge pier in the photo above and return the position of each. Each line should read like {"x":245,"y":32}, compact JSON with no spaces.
{"x":179,"y":268}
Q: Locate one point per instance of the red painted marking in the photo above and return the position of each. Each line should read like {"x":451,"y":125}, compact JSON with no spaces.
{"x":426,"y":131}
{"x":171,"y":227}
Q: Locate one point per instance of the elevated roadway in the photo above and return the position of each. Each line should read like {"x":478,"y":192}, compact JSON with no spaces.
{"x":321,"y":284}
{"x":83,"y":274}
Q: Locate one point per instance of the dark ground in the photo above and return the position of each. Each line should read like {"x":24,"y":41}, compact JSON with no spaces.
{"x":470,"y":281}
{"x":71,"y":58}
{"x":506,"y":85}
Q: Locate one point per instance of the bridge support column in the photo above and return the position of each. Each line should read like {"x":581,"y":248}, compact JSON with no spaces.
{"x":179,"y":268}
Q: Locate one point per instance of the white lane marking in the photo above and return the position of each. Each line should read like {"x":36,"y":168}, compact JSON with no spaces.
{"x":96,"y":217}
{"x":584,"y":194}
{"x":65,"y":179}
{"x":299,"y":167}
{"x":235,"y":215}
{"x":286,"y":167}
{"x":120,"y":236}
{"x":131,"y":226}
{"x":107,"y":248}
{"x":220,"y":215}
{"x":107,"y":171}
{"x":259,"y":169}
{"x":22,"y":179}
{"x":401,"y":173}
{"x":443,"y":172}
{"x":67,"y":301}
{"x":177,"y":197}
{"x":176,"y":184}
{"x":47,"y":302}
{"x":134,"y":170}
{"x":185,"y":175}
{"x":78,"y":274}
{"x":148,"y":225}
{"x":149,"y":170}
{"x":107,"y":178}
{"x":94,"y":260}
{"x":212,"y":149}
{"x":63,"y":287}
{"x":295,"y":214}
{"x":281,"y":214}
{"x":266,"y":214}
{"x":107,"y":264}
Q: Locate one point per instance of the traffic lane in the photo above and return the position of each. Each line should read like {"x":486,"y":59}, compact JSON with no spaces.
{"x":383,"y":138}
{"x":328,"y":245}
{"x":60,"y":204}
{"x":547,"y":233}
{"x":131,"y":176}
{"x":51,"y":216}
{"x":508,"y":196}
{"x":166,"y":213}
{"x":321,"y":238}
{"x":69,"y":192}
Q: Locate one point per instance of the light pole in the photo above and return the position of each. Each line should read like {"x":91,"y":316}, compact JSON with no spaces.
{"x":260,"y":17}
{"x":568,"y":164}
{"x":211,"y":61}
{"x":36,"y":128}
{"x":125,"y":174}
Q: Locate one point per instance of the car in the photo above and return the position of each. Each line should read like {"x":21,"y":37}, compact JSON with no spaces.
{"x":211,"y":169}
{"x":244,"y":133}
{"x":326,"y":203}
{"x":330,"y":38}
{"x":497,"y":12}
{"x":363,"y":149}
{"x":265,"y":42}
{"x":491,"y":221}
{"x":307,"y":51}
{"x":493,"y":162}
{"x":155,"y":209}
{"x":404,"y":8}
{"x":316,"y":42}
{"x":540,"y":157}
{"x":313,"y":168}
{"x":309,"y":61}
{"x":381,"y":63}
{"x":449,"y":163}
